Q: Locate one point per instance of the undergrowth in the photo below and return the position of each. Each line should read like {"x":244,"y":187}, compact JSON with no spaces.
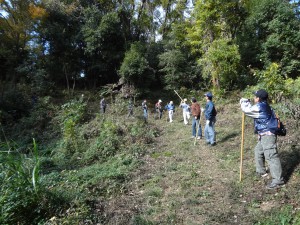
{"x":59,"y":184}
{"x":93,"y":168}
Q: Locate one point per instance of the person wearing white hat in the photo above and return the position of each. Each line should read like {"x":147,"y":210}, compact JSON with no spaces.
{"x":158,"y":109}
{"x":171,"y":109}
{"x":185,"y":111}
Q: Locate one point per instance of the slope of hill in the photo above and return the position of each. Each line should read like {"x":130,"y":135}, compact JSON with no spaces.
{"x":183,"y":183}
{"x":111,"y":169}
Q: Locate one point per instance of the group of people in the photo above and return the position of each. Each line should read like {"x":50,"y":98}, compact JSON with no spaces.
{"x":261,"y":112}
{"x":193,"y":110}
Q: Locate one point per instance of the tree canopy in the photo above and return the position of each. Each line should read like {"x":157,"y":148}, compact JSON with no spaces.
{"x":49,"y":44}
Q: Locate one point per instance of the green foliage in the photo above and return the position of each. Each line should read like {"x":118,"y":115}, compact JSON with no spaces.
{"x":14,"y":105}
{"x":173,"y":65}
{"x":134,"y":68}
{"x":38,"y":119}
{"x":220,"y":64}
{"x":293,"y":87}
{"x":271,"y":34}
{"x":102,"y":33}
{"x":70,"y":116}
{"x":283,"y":217}
{"x":212,"y":20}
{"x":275,"y":84}
{"x":106,"y":145}
{"x":19,"y":185}
{"x":271,"y":80}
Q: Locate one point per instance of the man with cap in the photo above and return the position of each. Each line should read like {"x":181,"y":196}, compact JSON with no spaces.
{"x":196,"y":112}
{"x":185,"y":111}
{"x":210,"y":116}
{"x":266,"y":148}
{"x":158,"y":109}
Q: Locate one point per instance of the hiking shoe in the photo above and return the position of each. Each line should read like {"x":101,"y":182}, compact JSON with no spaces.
{"x":262,"y":175}
{"x":213,"y":144}
{"x":275,"y":185}
{"x":192,"y":137}
{"x":199,"y":138}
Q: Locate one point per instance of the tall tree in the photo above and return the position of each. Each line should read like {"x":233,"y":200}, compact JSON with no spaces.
{"x":214,"y":19}
{"x":272,"y":35}
{"x":60,"y":35}
{"x":221,"y":64}
{"x":135,"y":67}
{"x":214,"y":25}
{"x":17,"y":21}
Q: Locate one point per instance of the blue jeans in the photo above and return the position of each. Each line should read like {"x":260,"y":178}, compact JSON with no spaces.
{"x":145,"y":114}
{"x":195,"y":124}
{"x":209,"y":132}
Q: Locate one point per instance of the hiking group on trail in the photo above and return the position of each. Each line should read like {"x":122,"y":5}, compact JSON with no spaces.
{"x":261,"y":112}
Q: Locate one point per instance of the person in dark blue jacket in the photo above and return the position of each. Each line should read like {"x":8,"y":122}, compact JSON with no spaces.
{"x":210,"y":116}
{"x":266,"y":148}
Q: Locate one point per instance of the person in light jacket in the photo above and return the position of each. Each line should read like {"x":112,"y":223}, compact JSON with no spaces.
{"x":171,"y":109}
{"x":185,"y":111}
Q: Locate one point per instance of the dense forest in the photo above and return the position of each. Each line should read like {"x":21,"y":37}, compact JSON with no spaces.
{"x":49,"y":45}
{"x":60,"y":57}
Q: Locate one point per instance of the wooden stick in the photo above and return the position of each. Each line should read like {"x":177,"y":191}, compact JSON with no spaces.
{"x":242,"y":145}
{"x":178,"y":95}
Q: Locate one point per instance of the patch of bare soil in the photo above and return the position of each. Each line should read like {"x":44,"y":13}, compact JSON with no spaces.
{"x":183,"y":183}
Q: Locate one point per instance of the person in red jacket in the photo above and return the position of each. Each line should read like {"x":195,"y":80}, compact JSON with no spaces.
{"x":196,"y":112}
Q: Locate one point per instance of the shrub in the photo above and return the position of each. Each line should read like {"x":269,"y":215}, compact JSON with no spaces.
{"x":107,"y":144}
{"x":19,"y":185}
{"x":271,"y":80}
{"x":70,"y":117}
{"x":14,"y":105}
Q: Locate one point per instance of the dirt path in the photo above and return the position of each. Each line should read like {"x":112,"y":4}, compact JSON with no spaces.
{"x":180,"y":183}
{"x":196,"y":185}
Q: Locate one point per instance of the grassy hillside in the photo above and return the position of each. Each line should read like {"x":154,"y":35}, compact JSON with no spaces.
{"x":110,"y":169}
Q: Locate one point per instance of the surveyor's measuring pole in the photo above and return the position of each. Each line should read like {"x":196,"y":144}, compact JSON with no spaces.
{"x":242,"y":144}
{"x":178,"y":95}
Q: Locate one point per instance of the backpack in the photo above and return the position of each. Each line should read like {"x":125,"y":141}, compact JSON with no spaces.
{"x":214,"y":112}
{"x":276,"y":126}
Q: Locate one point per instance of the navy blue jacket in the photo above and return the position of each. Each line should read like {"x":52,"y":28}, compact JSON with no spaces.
{"x":210,"y":111}
{"x":260,"y":112}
